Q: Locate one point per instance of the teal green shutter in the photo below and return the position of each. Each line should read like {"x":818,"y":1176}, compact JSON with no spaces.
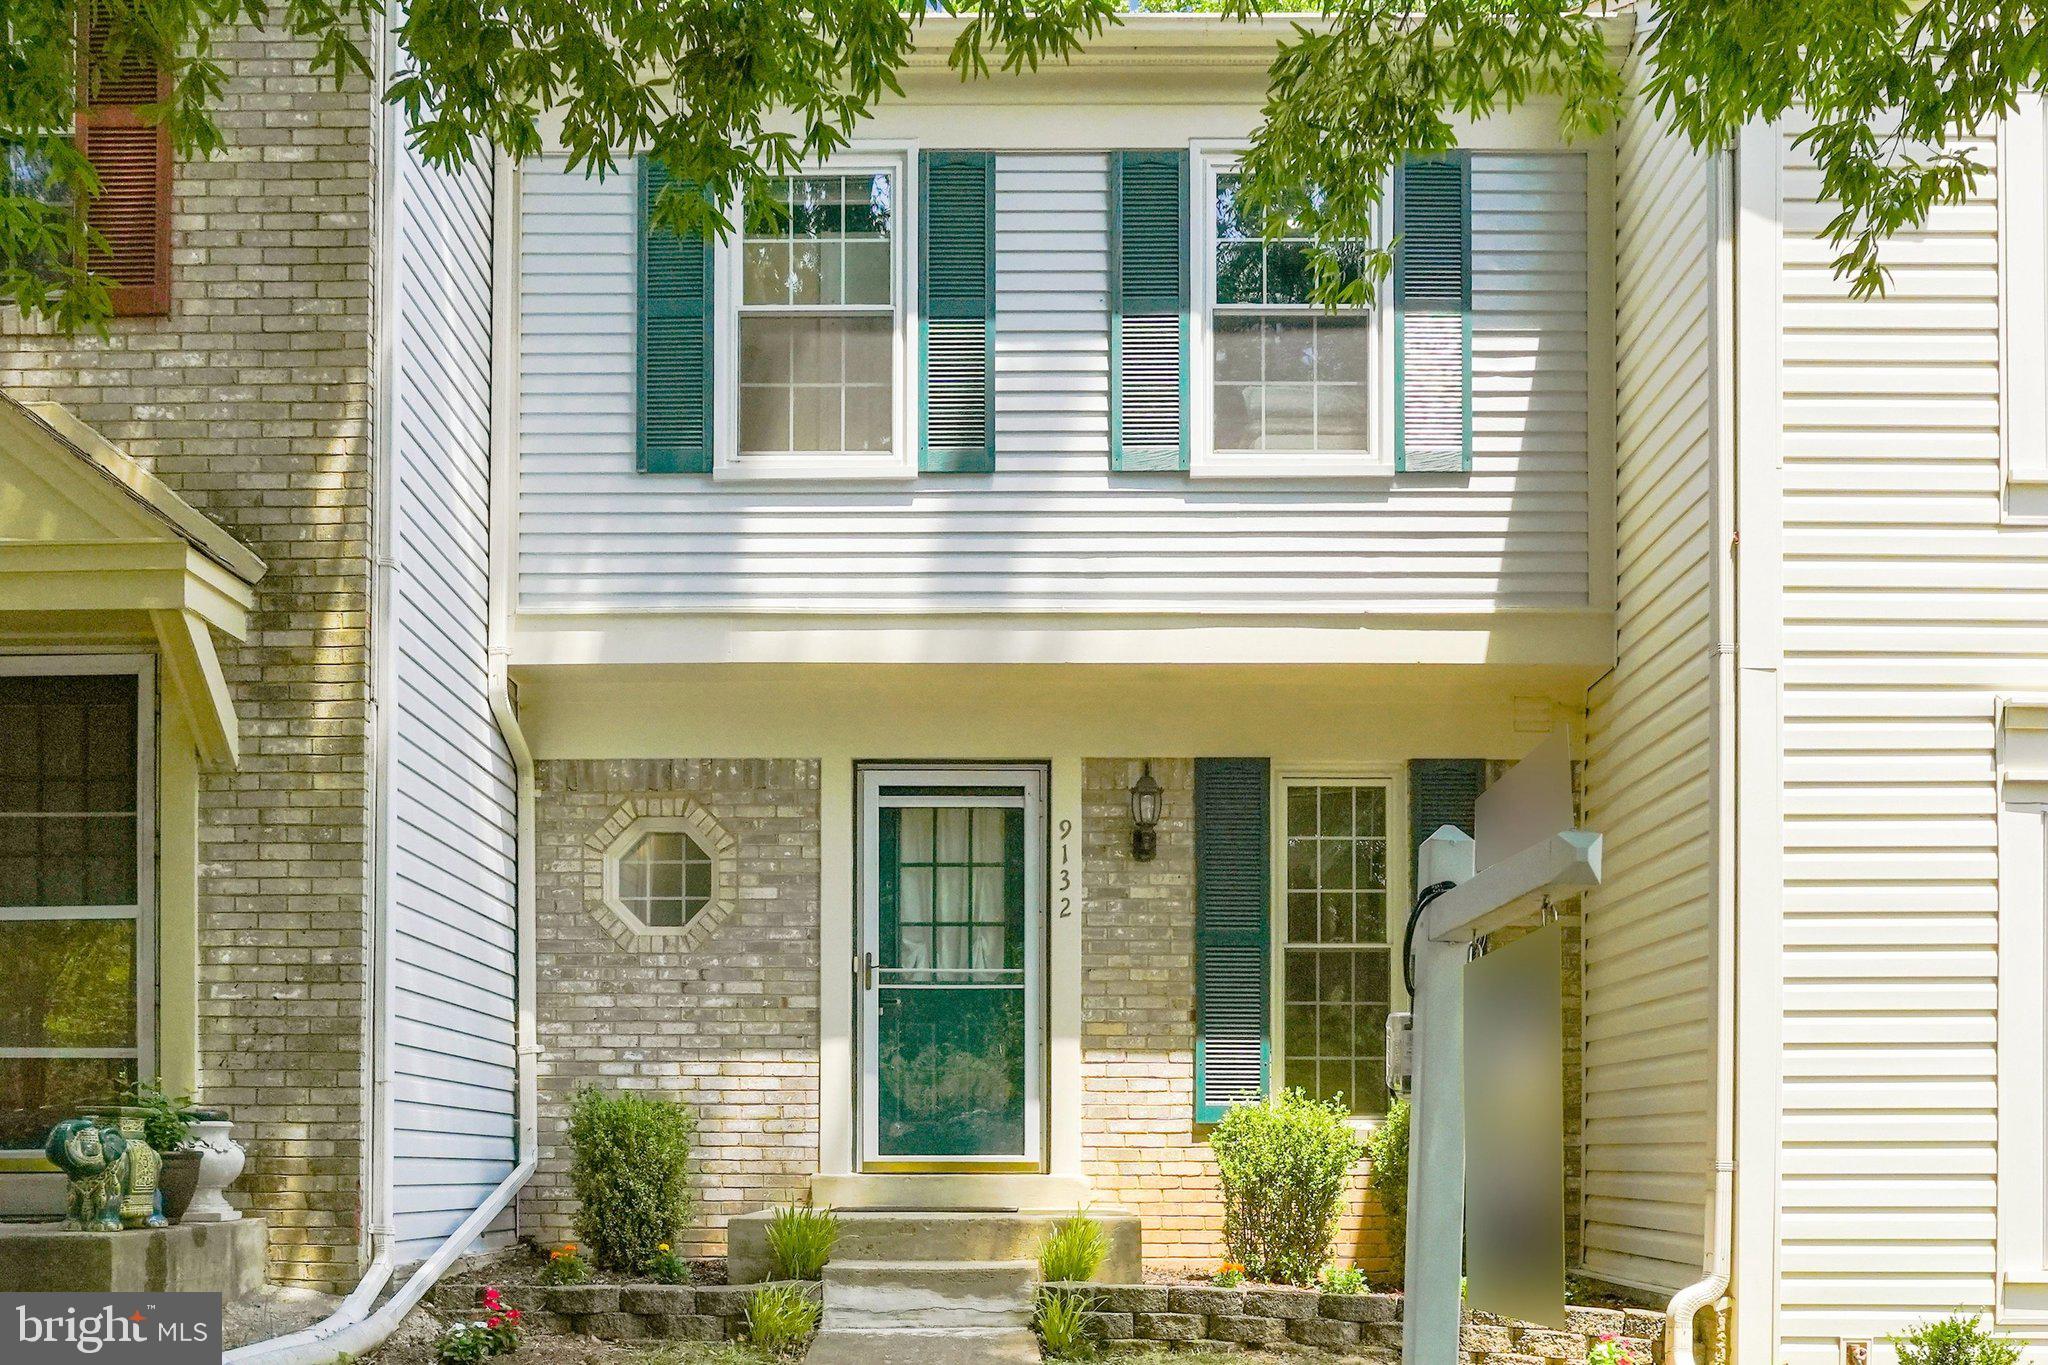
{"x":676,"y":323}
{"x":1433,"y":315}
{"x":1233,"y":884}
{"x":1441,"y":791}
{"x":957,"y":313}
{"x":1148,"y":311}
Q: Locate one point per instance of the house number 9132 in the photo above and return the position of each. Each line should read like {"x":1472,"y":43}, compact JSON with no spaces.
{"x":1066,"y":870}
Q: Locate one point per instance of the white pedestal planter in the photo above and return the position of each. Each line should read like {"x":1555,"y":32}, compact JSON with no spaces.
{"x":219,"y":1165}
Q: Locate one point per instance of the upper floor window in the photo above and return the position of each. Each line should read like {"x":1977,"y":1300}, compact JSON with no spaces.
{"x":1282,"y":385}
{"x":821,"y":297}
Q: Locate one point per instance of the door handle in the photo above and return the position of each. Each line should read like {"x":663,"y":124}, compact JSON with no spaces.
{"x":867,"y":971}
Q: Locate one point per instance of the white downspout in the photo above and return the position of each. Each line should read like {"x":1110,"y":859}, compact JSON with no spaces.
{"x":353,"y":1328}
{"x":1722,"y":529}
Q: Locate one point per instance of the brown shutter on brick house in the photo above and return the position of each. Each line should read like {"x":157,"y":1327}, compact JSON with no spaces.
{"x":132,"y":158}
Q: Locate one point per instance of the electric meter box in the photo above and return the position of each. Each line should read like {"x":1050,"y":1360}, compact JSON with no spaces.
{"x":1400,"y":1053}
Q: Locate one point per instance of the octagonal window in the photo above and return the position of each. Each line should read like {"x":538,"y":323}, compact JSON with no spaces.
{"x":665,"y":878}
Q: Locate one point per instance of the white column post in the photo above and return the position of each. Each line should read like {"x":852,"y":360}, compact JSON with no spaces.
{"x":1436,"y":1122}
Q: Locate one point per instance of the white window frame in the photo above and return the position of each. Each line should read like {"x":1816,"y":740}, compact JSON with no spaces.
{"x":144,"y":911}
{"x":2023,"y":212}
{"x":1206,"y":162}
{"x":900,"y":160}
{"x":1393,"y":779}
{"x":674,"y":816}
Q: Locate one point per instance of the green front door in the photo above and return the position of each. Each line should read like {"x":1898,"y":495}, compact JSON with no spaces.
{"x":952,"y":890}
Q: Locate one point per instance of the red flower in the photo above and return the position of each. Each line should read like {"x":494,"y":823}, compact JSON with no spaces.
{"x":512,"y":1314}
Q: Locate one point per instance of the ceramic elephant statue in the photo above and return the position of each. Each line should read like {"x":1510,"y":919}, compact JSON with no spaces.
{"x":97,"y":1162}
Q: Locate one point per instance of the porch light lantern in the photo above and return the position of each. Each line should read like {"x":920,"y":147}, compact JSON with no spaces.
{"x":1146,"y":796}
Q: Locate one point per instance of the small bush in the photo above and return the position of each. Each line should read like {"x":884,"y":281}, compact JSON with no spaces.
{"x":1073,"y":1249}
{"x":800,"y":1241}
{"x":780,"y":1319}
{"x":1284,"y":1162}
{"x":1958,"y":1339}
{"x":565,"y":1266}
{"x":630,"y":1168}
{"x":1348,"y":1280}
{"x":665,"y":1267}
{"x":1386,"y":1175}
{"x":1062,"y":1323}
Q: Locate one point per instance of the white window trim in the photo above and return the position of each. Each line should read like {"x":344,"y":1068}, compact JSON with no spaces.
{"x":2023,"y":210}
{"x":2022,"y":728}
{"x":1394,"y":779}
{"x":144,"y":911}
{"x":728,"y":465}
{"x":1206,"y":161}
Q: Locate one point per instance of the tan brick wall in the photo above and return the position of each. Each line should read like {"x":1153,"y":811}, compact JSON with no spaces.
{"x":1141,"y":1147}
{"x":252,"y":400}
{"x":729,"y":1025}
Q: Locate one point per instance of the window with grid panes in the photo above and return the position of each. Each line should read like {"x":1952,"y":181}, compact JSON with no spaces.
{"x":71,"y":998}
{"x":818,"y":299}
{"x":665,"y":879}
{"x":1287,"y":374}
{"x":958,"y":889}
{"x":1336,"y":962}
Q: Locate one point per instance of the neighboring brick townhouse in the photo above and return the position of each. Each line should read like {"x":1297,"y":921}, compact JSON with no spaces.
{"x":236,"y":399}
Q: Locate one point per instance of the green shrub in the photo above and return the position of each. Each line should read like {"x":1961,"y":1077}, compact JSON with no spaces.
{"x":1062,"y":1323}
{"x":1386,"y":1175}
{"x":630,"y":1168}
{"x":780,"y":1319}
{"x":1284,"y":1162}
{"x":1957,"y":1339}
{"x":1073,"y":1249}
{"x":1347,"y":1280}
{"x":666,"y":1267}
{"x":800,"y":1241}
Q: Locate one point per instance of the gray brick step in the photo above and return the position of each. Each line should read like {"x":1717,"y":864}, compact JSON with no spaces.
{"x":929,"y":1295}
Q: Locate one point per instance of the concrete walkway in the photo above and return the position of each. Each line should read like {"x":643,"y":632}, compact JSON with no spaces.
{"x":1011,"y":1346}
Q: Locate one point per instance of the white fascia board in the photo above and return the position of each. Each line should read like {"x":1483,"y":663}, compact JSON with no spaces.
{"x":1498,"y":896}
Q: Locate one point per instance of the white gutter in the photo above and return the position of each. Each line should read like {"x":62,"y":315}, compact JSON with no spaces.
{"x":353,"y":1329}
{"x":1722,"y":526}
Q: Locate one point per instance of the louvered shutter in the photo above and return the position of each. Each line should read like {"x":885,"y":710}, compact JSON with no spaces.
{"x":676,"y":321}
{"x":1233,"y":877}
{"x":1441,"y":791}
{"x":1433,"y":315}
{"x":957,"y":307}
{"x":1148,"y":314}
{"x":132,"y":158}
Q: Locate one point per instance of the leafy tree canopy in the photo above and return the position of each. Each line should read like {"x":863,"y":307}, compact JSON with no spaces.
{"x":726,"y":92}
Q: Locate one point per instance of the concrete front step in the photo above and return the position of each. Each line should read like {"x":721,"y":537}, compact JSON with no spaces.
{"x":1004,"y":1346}
{"x":940,"y":1236}
{"x":882,"y":1296}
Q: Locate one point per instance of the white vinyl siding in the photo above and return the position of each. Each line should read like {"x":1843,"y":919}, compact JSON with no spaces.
{"x":1647,"y":1059}
{"x":1907,"y":609}
{"x":1053,"y":529}
{"x":450,"y":859}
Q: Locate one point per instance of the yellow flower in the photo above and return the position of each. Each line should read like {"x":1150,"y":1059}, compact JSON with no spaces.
{"x":662,"y":1247}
